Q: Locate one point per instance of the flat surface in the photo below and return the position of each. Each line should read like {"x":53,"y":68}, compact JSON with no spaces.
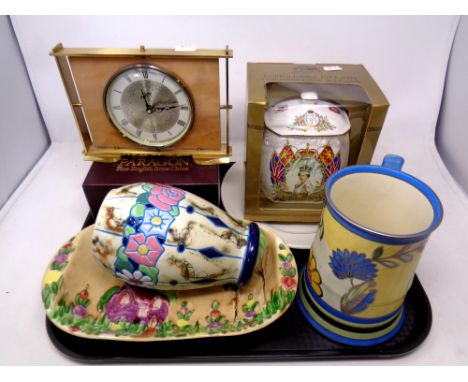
{"x":50,"y":207}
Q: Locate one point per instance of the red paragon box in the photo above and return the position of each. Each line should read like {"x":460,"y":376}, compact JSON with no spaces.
{"x":182,"y":172}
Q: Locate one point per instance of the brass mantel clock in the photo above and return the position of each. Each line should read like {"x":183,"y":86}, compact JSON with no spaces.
{"x":147,"y":102}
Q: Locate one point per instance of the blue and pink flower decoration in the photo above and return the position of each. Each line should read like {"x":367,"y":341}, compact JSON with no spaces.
{"x":145,"y":232}
{"x":165,"y":197}
{"x":144,"y":250}
{"x":156,"y":222}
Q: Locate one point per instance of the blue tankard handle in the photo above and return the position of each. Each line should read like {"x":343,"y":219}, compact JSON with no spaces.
{"x":392,"y":161}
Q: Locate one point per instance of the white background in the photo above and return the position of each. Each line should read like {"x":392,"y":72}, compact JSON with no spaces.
{"x":406,"y":55}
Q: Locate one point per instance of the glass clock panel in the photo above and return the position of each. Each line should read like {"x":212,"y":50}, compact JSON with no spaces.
{"x":149,"y":106}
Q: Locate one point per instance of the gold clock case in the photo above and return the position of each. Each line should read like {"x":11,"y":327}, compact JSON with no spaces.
{"x":86,"y":72}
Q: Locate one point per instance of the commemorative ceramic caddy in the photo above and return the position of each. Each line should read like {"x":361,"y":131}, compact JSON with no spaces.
{"x":162,"y":264}
{"x":373,"y":230}
{"x":306,"y":140}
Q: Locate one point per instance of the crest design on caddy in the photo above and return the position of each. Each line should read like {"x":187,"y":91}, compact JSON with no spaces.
{"x":311,"y":120}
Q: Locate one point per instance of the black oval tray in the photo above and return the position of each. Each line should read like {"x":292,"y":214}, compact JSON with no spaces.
{"x":290,"y":338}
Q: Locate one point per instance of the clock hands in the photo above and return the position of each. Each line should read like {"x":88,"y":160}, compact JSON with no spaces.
{"x":149,"y":108}
{"x":165,"y":107}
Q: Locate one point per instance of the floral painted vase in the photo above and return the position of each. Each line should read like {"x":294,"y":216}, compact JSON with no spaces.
{"x":305,"y":141}
{"x":161,"y":237}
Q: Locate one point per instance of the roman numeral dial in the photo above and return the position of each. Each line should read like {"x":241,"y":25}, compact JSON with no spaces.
{"x":149,"y":105}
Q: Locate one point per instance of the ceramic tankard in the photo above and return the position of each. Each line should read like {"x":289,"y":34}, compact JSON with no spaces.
{"x":162,"y":237}
{"x":305,"y":141}
{"x":370,"y":239}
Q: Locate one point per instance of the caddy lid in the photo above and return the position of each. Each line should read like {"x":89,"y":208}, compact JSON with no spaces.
{"x":307,"y":115}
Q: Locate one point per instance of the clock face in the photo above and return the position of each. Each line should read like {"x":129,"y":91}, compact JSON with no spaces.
{"x":149,"y":106}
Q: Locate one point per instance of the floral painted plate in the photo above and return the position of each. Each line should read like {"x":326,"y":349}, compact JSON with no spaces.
{"x":84,"y":299}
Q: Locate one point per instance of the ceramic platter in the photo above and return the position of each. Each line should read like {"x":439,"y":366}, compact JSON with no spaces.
{"x":84,"y":299}
{"x":232,"y":193}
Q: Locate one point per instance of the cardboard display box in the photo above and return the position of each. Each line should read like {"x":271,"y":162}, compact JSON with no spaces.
{"x":349,"y":86}
{"x":179,"y":172}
